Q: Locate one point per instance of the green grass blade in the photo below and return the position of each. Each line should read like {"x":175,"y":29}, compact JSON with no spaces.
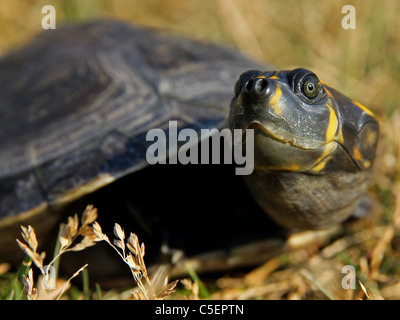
{"x":203,"y":292}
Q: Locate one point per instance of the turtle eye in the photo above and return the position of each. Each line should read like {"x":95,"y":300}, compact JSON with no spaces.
{"x":310,"y":86}
{"x":306,"y":85}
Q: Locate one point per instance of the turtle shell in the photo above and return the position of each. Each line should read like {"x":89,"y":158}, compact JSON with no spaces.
{"x":77,"y":102}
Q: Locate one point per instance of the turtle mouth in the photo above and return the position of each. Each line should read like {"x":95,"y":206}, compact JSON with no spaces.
{"x":276,"y":149}
{"x":272,"y":131}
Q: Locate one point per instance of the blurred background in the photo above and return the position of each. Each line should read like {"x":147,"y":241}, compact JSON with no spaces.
{"x":363,"y":63}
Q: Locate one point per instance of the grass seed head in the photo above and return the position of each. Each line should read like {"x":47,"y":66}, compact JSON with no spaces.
{"x":29,"y":236}
{"x":89,"y":215}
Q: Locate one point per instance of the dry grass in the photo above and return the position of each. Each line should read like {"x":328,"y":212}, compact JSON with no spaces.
{"x":70,"y":232}
{"x":89,"y":233}
{"x":362,"y":63}
{"x":156,"y":289}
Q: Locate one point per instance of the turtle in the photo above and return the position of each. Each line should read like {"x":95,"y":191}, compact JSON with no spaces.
{"x":77,"y":104}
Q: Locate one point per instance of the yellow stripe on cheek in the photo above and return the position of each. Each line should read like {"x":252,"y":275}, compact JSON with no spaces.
{"x":320,"y":166}
{"x":323,"y":159}
{"x":332,"y":125}
{"x":330,"y":136}
{"x":274,"y":102}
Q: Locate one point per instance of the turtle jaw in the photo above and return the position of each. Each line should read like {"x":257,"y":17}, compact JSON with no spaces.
{"x":276,"y":146}
{"x":283,"y":151}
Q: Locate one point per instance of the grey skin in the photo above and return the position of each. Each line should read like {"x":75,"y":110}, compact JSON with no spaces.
{"x":313,"y":149}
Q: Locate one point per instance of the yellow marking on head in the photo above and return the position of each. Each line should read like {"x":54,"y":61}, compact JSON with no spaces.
{"x":323,"y":158}
{"x":364,"y":108}
{"x":261,"y":77}
{"x":293,"y":168}
{"x":274,"y":102}
{"x":340,"y":137}
{"x":332,"y":125}
{"x":274,"y":78}
{"x":356,"y":152}
{"x":320,"y":166}
{"x":331,"y":133}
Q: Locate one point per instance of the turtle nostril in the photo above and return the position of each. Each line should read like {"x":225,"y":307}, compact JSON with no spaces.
{"x":260,"y":85}
{"x":256,"y":85}
{"x":258,"y":89}
{"x":249,"y":85}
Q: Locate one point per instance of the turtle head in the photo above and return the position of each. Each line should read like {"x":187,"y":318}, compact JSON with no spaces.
{"x":302,"y":125}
